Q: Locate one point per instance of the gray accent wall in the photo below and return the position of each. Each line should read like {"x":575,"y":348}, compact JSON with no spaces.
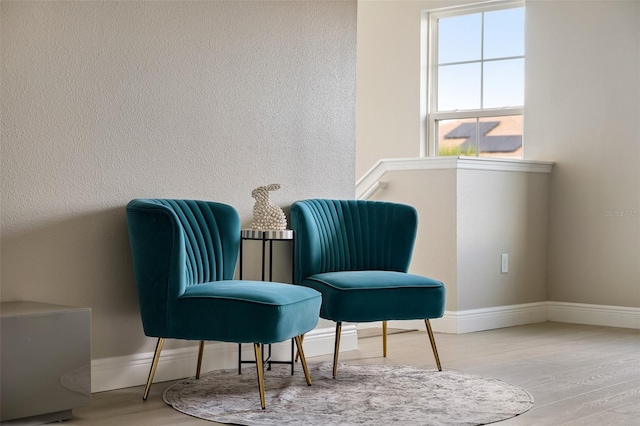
{"x":107,"y":101}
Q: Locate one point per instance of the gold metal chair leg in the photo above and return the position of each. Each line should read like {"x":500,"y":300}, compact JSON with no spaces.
{"x":200,"y":353}
{"x":260,"y":367}
{"x":303,"y":360}
{"x":384,"y":339}
{"x":154,"y":365}
{"x":336,"y":349}
{"x":298,"y":352}
{"x":433,"y":344}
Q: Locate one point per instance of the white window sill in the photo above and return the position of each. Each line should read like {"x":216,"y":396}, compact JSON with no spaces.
{"x":457,"y":163}
{"x":467,"y":163}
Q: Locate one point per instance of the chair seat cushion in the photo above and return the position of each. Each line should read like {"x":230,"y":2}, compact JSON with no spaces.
{"x":363,"y":296}
{"x":245,"y":311}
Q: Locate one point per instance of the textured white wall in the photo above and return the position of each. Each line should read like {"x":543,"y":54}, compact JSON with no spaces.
{"x":103,"y":102}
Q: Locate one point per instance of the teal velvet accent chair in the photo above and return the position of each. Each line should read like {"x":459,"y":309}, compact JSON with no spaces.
{"x":184,"y":257}
{"x":357,"y":254}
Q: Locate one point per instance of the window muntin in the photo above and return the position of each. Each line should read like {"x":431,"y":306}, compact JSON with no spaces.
{"x":477,"y":78}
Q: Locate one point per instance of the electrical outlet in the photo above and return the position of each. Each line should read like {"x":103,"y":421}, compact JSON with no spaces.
{"x":505,"y":263}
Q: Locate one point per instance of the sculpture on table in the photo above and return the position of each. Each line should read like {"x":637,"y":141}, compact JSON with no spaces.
{"x":267,"y":216}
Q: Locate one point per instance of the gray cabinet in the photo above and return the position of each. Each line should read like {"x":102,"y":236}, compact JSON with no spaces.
{"x":45,"y":361}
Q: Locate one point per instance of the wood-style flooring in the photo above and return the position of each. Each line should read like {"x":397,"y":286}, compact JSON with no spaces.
{"x":578,"y":374}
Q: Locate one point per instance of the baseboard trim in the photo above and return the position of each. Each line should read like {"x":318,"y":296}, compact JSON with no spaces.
{"x":133,"y":370}
{"x":603,"y":315}
{"x":501,"y":316}
{"x":469,"y":321}
{"x":459,"y":322}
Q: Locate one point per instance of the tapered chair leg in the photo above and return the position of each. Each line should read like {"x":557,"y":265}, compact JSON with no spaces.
{"x":200,"y":353}
{"x":433,"y":344}
{"x":154,"y":365}
{"x":303,"y":360}
{"x":298,"y":353}
{"x":260,"y":368}
{"x":384,"y":339}
{"x":336,"y":349}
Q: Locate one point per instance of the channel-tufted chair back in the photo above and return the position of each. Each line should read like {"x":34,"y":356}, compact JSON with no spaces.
{"x":184,"y":256}
{"x":357,"y":254}
{"x":176,"y":244}
{"x":352,"y":235}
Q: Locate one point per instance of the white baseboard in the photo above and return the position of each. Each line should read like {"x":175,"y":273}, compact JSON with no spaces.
{"x":133,"y":370}
{"x":459,"y":322}
{"x":500,"y":316}
{"x":469,"y":321}
{"x":603,"y":315}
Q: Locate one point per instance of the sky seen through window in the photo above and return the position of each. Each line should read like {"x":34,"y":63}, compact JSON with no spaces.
{"x":481,"y":64}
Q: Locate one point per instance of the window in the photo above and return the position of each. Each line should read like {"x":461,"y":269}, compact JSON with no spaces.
{"x":476,"y":81}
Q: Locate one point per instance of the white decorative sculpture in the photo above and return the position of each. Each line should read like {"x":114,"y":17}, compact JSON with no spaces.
{"x":267,"y":216}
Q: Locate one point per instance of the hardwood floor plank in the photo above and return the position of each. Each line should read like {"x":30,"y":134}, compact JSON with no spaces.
{"x":582,"y":406}
{"x":605,"y":418}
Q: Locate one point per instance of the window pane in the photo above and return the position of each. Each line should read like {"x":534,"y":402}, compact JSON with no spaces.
{"x":459,"y":38}
{"x":459,"y":87}
{"x":457,"y":137}
{"x":504,"y":33}
{"x":503,"y":83}
{"x":500,"y":137}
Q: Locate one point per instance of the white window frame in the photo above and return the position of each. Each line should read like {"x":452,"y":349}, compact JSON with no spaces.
{"x":432,"y":115}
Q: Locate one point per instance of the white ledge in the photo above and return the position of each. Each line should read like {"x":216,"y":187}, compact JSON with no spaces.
{"x":437,"y":163}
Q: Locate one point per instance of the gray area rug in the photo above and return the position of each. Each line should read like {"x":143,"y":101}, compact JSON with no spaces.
{"x":360,"y":395}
